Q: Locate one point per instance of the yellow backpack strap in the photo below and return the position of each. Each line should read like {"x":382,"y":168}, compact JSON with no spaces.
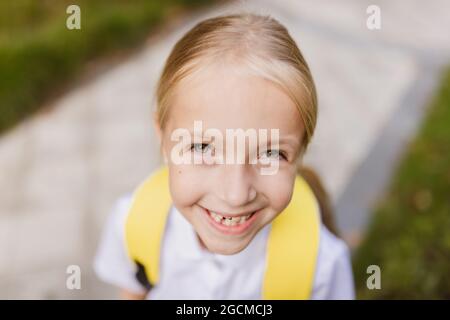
{"x":146,"y":221}
{"x":293,"y":246}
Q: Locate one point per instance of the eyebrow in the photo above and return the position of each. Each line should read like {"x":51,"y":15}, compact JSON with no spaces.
{"x":290,"y":140}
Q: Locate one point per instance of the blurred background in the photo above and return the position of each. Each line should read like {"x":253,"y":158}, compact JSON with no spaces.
{"x":76,"y":131}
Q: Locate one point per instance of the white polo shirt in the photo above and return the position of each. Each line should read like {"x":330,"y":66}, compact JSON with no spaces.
{"x":190,"y":272}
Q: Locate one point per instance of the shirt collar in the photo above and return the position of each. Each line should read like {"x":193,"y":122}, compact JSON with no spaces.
{"x":191,"y":249}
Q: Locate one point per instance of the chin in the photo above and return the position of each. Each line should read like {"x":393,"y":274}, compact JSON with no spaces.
{"x":227,"y":248}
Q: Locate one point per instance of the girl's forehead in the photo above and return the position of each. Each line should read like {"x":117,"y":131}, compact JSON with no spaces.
{"x":227,"y":96}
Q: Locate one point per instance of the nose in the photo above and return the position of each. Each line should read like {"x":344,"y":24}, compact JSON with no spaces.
{"x":237,"y":189}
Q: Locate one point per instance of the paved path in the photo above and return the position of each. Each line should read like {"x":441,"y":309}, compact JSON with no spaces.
{"x":63,"y":169}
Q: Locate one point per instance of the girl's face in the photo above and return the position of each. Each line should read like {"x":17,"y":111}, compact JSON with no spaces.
{"x":228,"y":203}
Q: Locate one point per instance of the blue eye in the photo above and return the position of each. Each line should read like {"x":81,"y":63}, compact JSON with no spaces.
{"x":273,"y":153}
{"x":200,"y":147}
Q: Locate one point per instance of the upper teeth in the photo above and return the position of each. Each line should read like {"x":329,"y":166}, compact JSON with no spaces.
{"x":229,"y":221}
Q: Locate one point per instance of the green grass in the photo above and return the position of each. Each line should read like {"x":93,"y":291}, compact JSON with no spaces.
{"x":39,"y":55}
{"x":409,"y":237}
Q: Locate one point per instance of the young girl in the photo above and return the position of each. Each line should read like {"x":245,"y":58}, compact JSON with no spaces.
{"x":213,"y":230}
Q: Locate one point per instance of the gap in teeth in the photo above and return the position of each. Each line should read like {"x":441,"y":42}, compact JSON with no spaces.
{"x":229,"y":221}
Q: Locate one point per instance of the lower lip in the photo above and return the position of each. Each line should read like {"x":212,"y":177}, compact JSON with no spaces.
{"x":236,"y":229}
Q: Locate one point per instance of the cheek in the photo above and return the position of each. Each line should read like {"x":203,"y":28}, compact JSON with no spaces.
{"x":185,"y":185}
{"x":279,"y":190}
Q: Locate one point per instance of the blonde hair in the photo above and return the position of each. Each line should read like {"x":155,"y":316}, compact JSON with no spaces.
{"x":261,"y":43}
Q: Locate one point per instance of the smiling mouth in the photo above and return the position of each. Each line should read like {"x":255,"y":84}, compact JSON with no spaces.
{"x":230,"y":220}
{"x":230,"y":224}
